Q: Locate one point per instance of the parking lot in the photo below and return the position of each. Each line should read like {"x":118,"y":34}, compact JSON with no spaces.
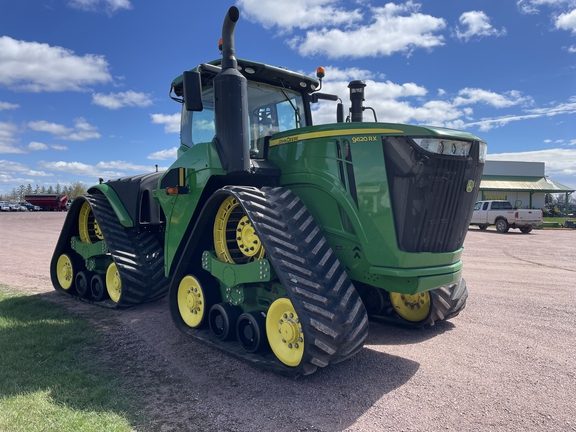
{"x":506,"y":363}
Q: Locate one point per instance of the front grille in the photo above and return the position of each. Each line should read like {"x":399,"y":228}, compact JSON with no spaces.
{"x":430,"y":204}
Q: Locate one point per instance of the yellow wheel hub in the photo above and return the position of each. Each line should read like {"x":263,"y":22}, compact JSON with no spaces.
{"x":411,"y":307}
{"x":284,"y":332}
{"x":247,"y":239}
{"x":235,"y":239}
{"x":88,"y":227}
{"x":191,"y":301}
{"x":65,"y":272}
{"x":113,"y":283}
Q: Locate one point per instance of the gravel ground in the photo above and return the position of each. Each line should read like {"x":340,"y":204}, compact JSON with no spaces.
{"x":506,"y":363}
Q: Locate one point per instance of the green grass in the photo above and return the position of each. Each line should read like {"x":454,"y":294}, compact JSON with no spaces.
{"x":50,"y":379}
{"x":559,"y":220}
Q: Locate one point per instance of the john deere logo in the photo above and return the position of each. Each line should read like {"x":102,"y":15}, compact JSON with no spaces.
{"x":470,"y":186}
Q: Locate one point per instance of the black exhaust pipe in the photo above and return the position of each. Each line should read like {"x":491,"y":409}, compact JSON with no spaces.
{"x":231,"y":104}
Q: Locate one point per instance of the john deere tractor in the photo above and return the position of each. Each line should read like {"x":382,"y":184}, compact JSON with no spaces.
{"x":277,"y":240}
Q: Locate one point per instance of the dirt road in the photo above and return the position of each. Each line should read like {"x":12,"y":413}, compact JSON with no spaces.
{"x":506,"y":363}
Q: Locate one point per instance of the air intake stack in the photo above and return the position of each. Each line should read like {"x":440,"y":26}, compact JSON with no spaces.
{"x":356,"y":98}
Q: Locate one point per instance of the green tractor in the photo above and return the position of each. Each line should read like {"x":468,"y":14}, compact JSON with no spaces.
{"x":277,"y":240}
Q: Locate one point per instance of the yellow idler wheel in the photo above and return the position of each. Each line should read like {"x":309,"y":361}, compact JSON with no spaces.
{"x":284,"y":332}
{"x":411,"y":307}
{"x":113,"y":283}
{"x":235,"y":239}
{"x":88,"y":227}
{"x":191,"y":301}
{"x":65,"y":272}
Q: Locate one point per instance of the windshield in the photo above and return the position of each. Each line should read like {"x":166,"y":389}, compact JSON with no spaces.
{"x":270,"y":110}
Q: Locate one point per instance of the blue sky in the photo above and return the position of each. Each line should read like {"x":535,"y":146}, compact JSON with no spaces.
{"x":84,"y":83}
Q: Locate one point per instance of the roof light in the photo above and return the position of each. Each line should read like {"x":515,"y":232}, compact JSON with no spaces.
{"x":320,"y":72}
{"x":249,"y":70}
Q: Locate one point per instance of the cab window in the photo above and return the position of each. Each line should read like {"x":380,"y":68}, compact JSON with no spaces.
{"x":270,"y":110}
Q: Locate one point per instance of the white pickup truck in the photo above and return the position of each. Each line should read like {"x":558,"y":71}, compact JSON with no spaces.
{"x":504,"y":216}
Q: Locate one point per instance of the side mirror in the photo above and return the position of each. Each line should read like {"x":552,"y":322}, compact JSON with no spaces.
{"x":192,"y":91}
{"x":315,"y":97}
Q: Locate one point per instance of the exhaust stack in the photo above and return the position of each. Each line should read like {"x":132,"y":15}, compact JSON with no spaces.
{"x":231,"y":104}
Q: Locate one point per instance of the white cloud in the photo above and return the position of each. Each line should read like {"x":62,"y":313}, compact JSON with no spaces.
{"x":567,"y":21}
{"x":441,"y":92}
{"x":59,"y":147}
{"x":171,"y":122}
{"x":298,"y":13}
{"x":106,"y":170}
{"x":164,"y":154}
{"x":571,"y":49}
{"x":123,"y":165}
{"x":7,"y":140}
{"x":109,"y":6}
{"x":491,"y":123}
{"x":36,"y":67}
{"x":386,"y":99}
{"x":79,"y":168}
{"x":10,"y":168}
{"x":394,"y":28}
{"x":469,"y":96}
{"x":476,"y":24}
{"x":122,"y":99}
{"x":547,"y":141}
{"x":37,"y":146}
{"x":7,"y":106}
{"x":82,"y":130}
{"x":532,"y":6}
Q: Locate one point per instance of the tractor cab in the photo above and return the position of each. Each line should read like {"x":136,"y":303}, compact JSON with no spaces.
{"x":278,"y":100}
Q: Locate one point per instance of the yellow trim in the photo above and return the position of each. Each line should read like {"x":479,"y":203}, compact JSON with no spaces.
{"x":65,"y":272}
{"x":181,"y":177}
{"x":191,"y":301}
{"x":325,"y":134}
{"x":113,"y":283}
{"x":413,"y":308}
{"x":284,"y":332}
{"x":233,"y":228}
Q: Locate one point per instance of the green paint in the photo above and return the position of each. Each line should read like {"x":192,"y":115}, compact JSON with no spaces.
{"x":89,"y":250}
{"x":121,"y":213}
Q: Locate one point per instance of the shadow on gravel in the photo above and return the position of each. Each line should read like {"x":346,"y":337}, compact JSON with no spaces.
{"x":189,"y":386}
{"x":387,"y":334}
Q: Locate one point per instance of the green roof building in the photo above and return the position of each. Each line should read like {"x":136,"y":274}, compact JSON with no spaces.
{"x":524,"y":184}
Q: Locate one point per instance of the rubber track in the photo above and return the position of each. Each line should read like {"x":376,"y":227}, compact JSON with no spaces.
{"x":334,"y":319}
{"x":138,"y":255}
{"x":447,"y":302}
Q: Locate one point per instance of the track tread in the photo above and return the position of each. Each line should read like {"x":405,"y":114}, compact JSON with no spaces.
{"x":447,"y":303}
{"x":138,"y":255}
{"x":335,"y":326}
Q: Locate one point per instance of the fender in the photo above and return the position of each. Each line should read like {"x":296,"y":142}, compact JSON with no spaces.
{"x":115,"y":202}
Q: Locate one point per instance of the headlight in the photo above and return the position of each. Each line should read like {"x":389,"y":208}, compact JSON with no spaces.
{"x":482,"y":152}
{"x":444,"y":147}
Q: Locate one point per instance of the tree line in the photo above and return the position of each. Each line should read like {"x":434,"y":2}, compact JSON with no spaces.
{"x":18,"y":194}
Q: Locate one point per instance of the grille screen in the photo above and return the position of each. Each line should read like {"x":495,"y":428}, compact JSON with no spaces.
{"x":431,"y":206}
